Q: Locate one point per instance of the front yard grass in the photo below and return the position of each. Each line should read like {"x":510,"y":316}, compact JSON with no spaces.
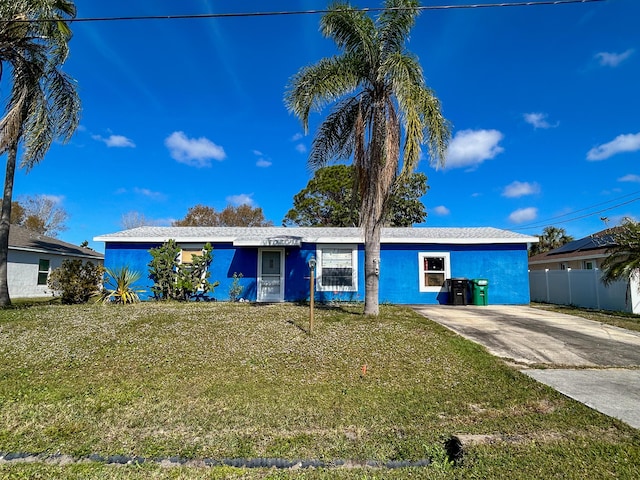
{"x":220,"y":380}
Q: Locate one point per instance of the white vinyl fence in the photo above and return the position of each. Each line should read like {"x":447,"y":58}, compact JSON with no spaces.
{"x":584,"y":288}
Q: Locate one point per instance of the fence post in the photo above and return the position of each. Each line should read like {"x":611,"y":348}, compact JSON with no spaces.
{"x":596,"y":277}
{"x":569,"y":283}
{"x":546,"y":282}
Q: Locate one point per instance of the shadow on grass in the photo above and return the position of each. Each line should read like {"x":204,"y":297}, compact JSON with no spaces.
{"x":20,"y":303}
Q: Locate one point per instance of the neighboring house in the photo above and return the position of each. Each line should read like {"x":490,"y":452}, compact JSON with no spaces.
{"x":587,"y":253}
{"x":274,"y":261}
{"x":33,"y":256}
{"x":571,"y":275}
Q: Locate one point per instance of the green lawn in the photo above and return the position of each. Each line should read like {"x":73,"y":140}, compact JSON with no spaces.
{"x":218,"y":380}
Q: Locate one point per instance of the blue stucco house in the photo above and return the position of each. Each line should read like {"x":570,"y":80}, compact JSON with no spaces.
{"x":415,"y":262}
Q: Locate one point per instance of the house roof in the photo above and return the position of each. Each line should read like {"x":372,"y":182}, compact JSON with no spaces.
{"x":24,"y":239}
{"x":592,"y":246}
{"x":286,"y":236}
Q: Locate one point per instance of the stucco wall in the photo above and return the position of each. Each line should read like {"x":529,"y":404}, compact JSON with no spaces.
{"x":22,"y":273}
{"x":504,"y":266}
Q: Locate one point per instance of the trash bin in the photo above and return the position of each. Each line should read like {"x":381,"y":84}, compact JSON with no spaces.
{"x":458,"y":288}
{"x":480,"y":291}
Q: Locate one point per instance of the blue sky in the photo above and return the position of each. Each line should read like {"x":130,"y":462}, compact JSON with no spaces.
{"x":544,"y":102}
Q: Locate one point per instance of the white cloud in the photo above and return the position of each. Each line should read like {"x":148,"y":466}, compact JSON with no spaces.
{"x":469,"y":148}
{"x":538,"y":120}
{"x":520,"y":189}
{"x":607,"y":59}
{"x":118,"y":141}
{"x":241,"y":199}
{"x":55,"y":199}
{"x":195,"y":152}
{"x":263,"y":163}
{"x":145,"y":192}
{"x":620,"y":144}
{"x":523,"y":215}
{"x":630,"y":178}
{"x":300,"y":147}
{"x":441,"y":210}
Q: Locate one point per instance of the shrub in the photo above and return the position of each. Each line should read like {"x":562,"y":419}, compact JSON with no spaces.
{"x":235,"y":290}
{"x":180,"y":281}
{"x":76,"y":281}
{"x":118,"y":286}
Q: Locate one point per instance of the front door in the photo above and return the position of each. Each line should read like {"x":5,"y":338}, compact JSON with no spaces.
{"x":271,"y":275}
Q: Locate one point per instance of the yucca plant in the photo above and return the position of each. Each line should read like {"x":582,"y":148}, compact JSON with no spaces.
{"x":118,"y":286}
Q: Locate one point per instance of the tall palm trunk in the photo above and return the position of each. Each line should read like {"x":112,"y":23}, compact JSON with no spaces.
{"x":376,"y":176}
{"x":372,"y":267}
{"x":5,"y":223}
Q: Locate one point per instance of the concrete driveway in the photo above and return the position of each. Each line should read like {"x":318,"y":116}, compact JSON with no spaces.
{"x":531,"y":337}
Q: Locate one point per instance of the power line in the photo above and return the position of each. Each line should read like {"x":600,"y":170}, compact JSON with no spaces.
{"x":554,"y":220}
{"x":303,"y":12}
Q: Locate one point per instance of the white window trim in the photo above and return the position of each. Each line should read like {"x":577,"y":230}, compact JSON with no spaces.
{"x":447,"y":270}
{"x":354,"y":268}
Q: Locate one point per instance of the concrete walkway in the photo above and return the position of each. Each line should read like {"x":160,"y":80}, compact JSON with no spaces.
{"x":530,"y":336}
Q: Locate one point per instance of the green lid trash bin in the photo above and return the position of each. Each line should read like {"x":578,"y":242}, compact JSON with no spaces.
{"x":480,"y":291}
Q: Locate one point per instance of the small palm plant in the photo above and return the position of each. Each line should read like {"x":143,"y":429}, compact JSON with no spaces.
{"x":118,"y":286}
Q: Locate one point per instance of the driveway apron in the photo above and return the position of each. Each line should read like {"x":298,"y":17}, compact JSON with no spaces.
{"x":531,"y":337}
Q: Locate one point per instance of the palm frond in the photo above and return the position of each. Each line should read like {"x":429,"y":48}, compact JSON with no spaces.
{"x":352,"y":30}
{"x":316,"y":86}
{"x":624,"y":256}
{"x":44,"y":104}
{"x":336,"y":135}
{"x":395,"y":24}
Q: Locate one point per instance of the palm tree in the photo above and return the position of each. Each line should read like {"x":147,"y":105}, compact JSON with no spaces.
{"x":551,"y":238}
{"x":43,"y":104}
{"x":623,"y":258}
{"x":377,"y":90}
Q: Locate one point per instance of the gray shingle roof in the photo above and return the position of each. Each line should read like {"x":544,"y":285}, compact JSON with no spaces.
{"x":258,"y":235}
{"x":21,"y":238}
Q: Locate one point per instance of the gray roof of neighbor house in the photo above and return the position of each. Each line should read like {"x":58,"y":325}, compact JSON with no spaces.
{"x":261,"y":236}
{"x":24,"y":239}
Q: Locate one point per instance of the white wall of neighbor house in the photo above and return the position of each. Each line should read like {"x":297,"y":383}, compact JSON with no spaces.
{"x":27,"y":272}
{"x":23,"y":270}
{"x":577,"y":263}
{"x":584,"y":288}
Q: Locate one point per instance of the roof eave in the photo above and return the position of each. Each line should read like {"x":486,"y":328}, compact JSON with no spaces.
{"x":54,"y":252}
{"x":263,"y":242}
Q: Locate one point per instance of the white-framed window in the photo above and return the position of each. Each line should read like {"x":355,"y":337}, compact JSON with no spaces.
{"x":433,"y":269}
{"x":563,"y":266}
{"x":337,"y":268}
{"x":587,"y":265}
{"x":43,"y":271}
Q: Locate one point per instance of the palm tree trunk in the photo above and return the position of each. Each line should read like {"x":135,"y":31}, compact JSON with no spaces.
{"x":5,"y":223}
{"x":372,"y":267}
